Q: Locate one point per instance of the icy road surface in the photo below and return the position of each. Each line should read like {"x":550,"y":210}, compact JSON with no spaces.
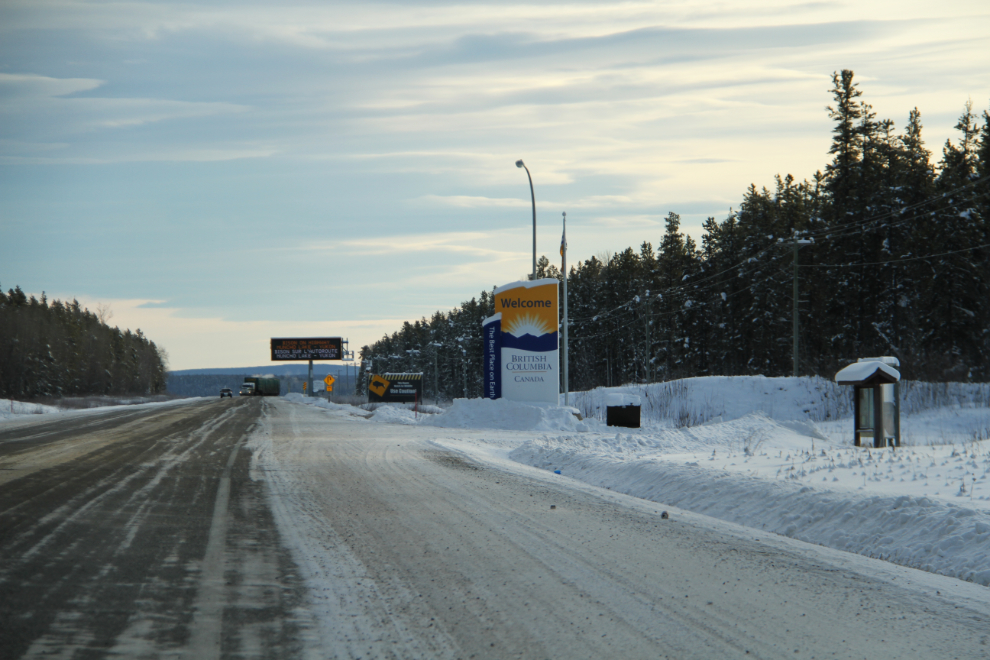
{"x":411,"y":550}
{"x":138,"y":533}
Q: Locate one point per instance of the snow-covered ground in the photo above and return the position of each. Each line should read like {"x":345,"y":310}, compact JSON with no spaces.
{"x":11,"y":411}
{"x":770,"y":453}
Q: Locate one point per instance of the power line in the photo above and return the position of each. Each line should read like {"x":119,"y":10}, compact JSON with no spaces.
{"x":896,"y":261}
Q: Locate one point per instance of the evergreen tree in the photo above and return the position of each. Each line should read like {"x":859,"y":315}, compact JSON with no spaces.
{"x":958,"y":293}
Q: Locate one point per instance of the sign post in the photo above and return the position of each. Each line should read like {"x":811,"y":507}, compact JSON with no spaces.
{"x":395,"y":388}
{"x":307,"y":349}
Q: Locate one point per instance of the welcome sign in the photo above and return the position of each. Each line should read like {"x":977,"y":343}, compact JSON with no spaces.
{"x":530,"y":364}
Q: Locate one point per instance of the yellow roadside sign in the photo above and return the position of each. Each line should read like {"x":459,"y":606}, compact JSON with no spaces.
{"x":329,"y":380}
{"x":378,"y":385}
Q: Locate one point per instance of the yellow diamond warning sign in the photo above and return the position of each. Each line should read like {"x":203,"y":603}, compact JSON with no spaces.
{"x":329,"y":380}
{"x":378,"y":385}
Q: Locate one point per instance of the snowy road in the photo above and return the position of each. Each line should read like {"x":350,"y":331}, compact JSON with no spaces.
{"x":138,"y":533}
{"x":269,"y":529}
{"x":411,"y":551}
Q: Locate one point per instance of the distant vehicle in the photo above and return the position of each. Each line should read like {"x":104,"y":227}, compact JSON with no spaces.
{"x":226,"y":392}
{"x":261,"y":387}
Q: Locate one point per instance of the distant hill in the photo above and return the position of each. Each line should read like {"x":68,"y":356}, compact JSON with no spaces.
{"x":207,"y":382}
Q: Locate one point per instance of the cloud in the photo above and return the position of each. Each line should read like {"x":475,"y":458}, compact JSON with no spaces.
{"x":156,"y":154}
{"x":462,"y":243}
{"x":627,"y":221}
{"x":467,"y":202}
{"x":215,"y":341}
{"x":706,"y":161}
{"x":14,"y":86}
{"x":37,"y":108}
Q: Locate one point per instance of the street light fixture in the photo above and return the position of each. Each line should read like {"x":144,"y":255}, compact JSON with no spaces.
{"x":532,"y":195}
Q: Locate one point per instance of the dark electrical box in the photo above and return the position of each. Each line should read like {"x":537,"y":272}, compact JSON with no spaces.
{"x":627,"y":416}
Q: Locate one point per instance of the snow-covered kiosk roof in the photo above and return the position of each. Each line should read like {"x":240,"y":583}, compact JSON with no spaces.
{"x":869,"y":372}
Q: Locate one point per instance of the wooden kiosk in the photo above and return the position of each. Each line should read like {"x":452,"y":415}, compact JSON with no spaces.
{"x":877,"y":400}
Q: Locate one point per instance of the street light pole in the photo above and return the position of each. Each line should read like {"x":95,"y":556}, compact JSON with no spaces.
{"x":563,"y":254}
{"x":436,"y":381}
{"x":532,"y":196}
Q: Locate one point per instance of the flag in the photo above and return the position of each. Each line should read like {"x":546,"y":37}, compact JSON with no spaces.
{"x":563,"y":243}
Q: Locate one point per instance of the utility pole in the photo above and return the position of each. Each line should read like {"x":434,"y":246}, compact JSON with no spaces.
{"x":436,"y":381}
{"x":563,"y":254}
{"x":797,"y":245}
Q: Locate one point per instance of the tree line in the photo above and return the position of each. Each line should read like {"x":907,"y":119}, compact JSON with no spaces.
{"x":893,"y":259}
{"x":211,"y":384}
{"x":62,"y":349}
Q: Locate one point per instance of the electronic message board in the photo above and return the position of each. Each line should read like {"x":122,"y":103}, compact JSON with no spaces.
{"x":309,"y":348}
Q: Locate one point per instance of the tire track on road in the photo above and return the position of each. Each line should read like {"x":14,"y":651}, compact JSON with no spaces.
{"x":207,"y":623}
{"x":109,"y":550}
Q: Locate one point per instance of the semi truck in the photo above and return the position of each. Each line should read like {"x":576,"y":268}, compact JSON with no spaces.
{"x":254,"y":386}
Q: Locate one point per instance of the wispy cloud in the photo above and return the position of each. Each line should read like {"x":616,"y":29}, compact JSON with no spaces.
{"x":462,"y":243}
{"x":467,"y":202}
{"x":14,"y":86}
{"x":222,"y":340}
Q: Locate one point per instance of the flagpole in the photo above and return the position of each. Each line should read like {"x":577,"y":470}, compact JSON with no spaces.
{"x":563,"y":253}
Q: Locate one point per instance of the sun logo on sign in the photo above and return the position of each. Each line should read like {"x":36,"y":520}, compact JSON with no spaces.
{"x":528,"y":324}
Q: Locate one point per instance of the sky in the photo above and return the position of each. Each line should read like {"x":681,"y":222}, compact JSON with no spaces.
{"x":222,"y":173}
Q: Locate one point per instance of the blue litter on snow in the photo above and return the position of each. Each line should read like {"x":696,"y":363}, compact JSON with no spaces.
{"x":556,"y":471}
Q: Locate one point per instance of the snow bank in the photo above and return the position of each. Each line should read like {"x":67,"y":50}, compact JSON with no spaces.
{"x":395,"y":415}
{"x":319,"y":402}
{"x":508,"y":415}
{"x":622,"y":399}
{"x":10,"y":409}
{"x":467,"y":414}
{"x":693,"y":401}
{"x":19,"y":410}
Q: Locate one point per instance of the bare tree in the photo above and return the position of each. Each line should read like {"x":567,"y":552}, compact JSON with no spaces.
{"x":104,"y":313}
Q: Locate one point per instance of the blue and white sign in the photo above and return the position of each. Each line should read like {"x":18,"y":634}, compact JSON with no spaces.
{"x":492,"y":336}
